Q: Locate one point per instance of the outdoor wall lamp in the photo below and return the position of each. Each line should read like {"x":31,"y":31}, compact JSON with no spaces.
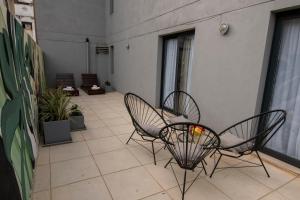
{"x":127,"y":47}
{"x":224,"y":28}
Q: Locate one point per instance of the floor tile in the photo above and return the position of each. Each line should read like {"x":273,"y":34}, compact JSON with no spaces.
{"x":91,"y":117}
{"x":104,"y":145}
{"x":238,"y":185}
{"x":200,"y":190}
{"x":90,"y":189}
{"x":165,"y":176}
{"x":115,"y":121}
{"x":274,"y":196}
{"x":122,"y":129}
{"x":44,"y":195}
{"x":77,"y":137}
{"x":115,"y":161}
{"x":131,"y":184}
{"x":68,"y":151}
{"x":42,"y":178}
{"x":94,"y":124}
{"x":96,"y":133}
{"x":73,"y":170}
{"x":146,"y":157}
{"x":109,"y":115}
{"x":124,"y":138}
{"x":159,"y":196}
{"x":278,"y":177}
{"x":291,"y":190}
{"x":44,"y":156}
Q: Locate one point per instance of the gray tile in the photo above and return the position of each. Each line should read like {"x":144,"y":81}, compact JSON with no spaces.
{"x":73,"y":170}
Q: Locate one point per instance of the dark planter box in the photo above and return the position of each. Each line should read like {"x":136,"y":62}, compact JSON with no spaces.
{"x":77,"y":123}
{"x":108,"y":88}
{"x":57,"y":132}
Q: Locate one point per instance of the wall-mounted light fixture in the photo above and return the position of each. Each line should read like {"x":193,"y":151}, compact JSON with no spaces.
{"x":127,"y":47}
{"x":224,"y":28}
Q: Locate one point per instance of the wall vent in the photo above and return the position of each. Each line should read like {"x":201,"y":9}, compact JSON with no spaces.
{"x":102,"y":50}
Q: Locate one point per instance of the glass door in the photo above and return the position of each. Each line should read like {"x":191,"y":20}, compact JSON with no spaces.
{"x":282,"y":89}
{"x":177,"y":64}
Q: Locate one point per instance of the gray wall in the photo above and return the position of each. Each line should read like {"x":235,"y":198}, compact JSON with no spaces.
{"x":228,"y":71}
{"x":62,"y":26}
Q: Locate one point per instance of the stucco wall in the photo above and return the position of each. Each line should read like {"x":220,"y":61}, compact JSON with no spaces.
{"x":62,"y":27}
{"x":228,"y":71}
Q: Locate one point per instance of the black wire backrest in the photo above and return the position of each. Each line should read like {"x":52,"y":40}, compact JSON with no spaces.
{"x":180,"y":103}
{"x":190,"y":144}
{"x":256,"y":131}
{"x":142,"y":113}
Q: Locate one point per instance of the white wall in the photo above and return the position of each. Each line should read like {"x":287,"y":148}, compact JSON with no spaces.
{"x":228,"y":71}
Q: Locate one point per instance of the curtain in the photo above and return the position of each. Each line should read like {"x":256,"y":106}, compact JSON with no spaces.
{"x":186,"y":64}
{"x":170,"y":67}
{"x":286,"y":92}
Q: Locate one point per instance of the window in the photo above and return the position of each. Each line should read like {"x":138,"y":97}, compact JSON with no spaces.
{"x":112,"y":67}
{"x":177,"y":63}
{"x":111,"y":6}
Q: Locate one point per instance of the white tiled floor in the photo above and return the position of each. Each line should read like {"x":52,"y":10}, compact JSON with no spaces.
{"x":98,"y":165}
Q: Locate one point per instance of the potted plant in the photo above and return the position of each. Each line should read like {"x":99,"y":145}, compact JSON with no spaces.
{"x":108,"y":87}
{"x":54,"y":114}
{"x":76,"y":118}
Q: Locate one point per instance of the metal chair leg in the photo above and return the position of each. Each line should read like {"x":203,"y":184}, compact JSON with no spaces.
{"x":216,"y":165}
{"x":203,"y":166}
{"x":184,"y":182}
{"x":130,"y":137}
{"x":213,"y":153}
{"x":166,"y":165}
{"x":262,"y":164}
{"x":153,"y":153}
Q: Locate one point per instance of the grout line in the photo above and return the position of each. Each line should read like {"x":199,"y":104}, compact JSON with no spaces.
{"x":101,"y":175}
{"x":74,"y":182}
{"x":276,"y":190}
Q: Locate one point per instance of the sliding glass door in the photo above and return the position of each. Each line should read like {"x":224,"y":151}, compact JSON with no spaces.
{"x":283,"y":87}
{"x":177,"y":63}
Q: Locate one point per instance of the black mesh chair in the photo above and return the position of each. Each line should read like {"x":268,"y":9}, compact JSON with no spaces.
{"x":189,"y":145}
{"x":146,"y":121}
{"x":248,"y":136}
{"x":179,"y":106}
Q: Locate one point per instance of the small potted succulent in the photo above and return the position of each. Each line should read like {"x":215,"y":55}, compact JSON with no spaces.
{"x":76,"y":119}
{"x":54,"y":115}
{"x":108,"y":87}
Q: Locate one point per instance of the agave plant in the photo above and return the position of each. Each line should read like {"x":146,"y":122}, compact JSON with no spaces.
{"x":54,"y":105}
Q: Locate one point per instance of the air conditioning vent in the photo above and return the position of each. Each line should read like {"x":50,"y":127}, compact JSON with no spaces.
{"x":102,"y":50}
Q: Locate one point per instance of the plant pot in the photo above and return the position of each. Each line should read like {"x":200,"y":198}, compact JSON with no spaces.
{"x":77,"y":123}
{"x":108,"y":88}
{"x":57,"y":132}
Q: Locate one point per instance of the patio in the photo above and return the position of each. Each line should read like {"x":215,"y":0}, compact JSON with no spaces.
{"x":99,"y":165}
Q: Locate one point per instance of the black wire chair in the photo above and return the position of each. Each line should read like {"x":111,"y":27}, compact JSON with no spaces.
{"x":179,"y":106}
{"x":146,"y":121}
{"x":189,"y":145}
{"x":248,"y":136}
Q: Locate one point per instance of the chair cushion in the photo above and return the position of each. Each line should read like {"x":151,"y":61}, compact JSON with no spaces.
{"x":179,"y":119}
{"x":151,"y":129}
{"x":228,"y":140}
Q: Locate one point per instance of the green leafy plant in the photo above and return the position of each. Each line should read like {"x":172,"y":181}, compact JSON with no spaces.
{"x":107,"y":83}
{"x":75,"y":111}
{"x":54,"y":105}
